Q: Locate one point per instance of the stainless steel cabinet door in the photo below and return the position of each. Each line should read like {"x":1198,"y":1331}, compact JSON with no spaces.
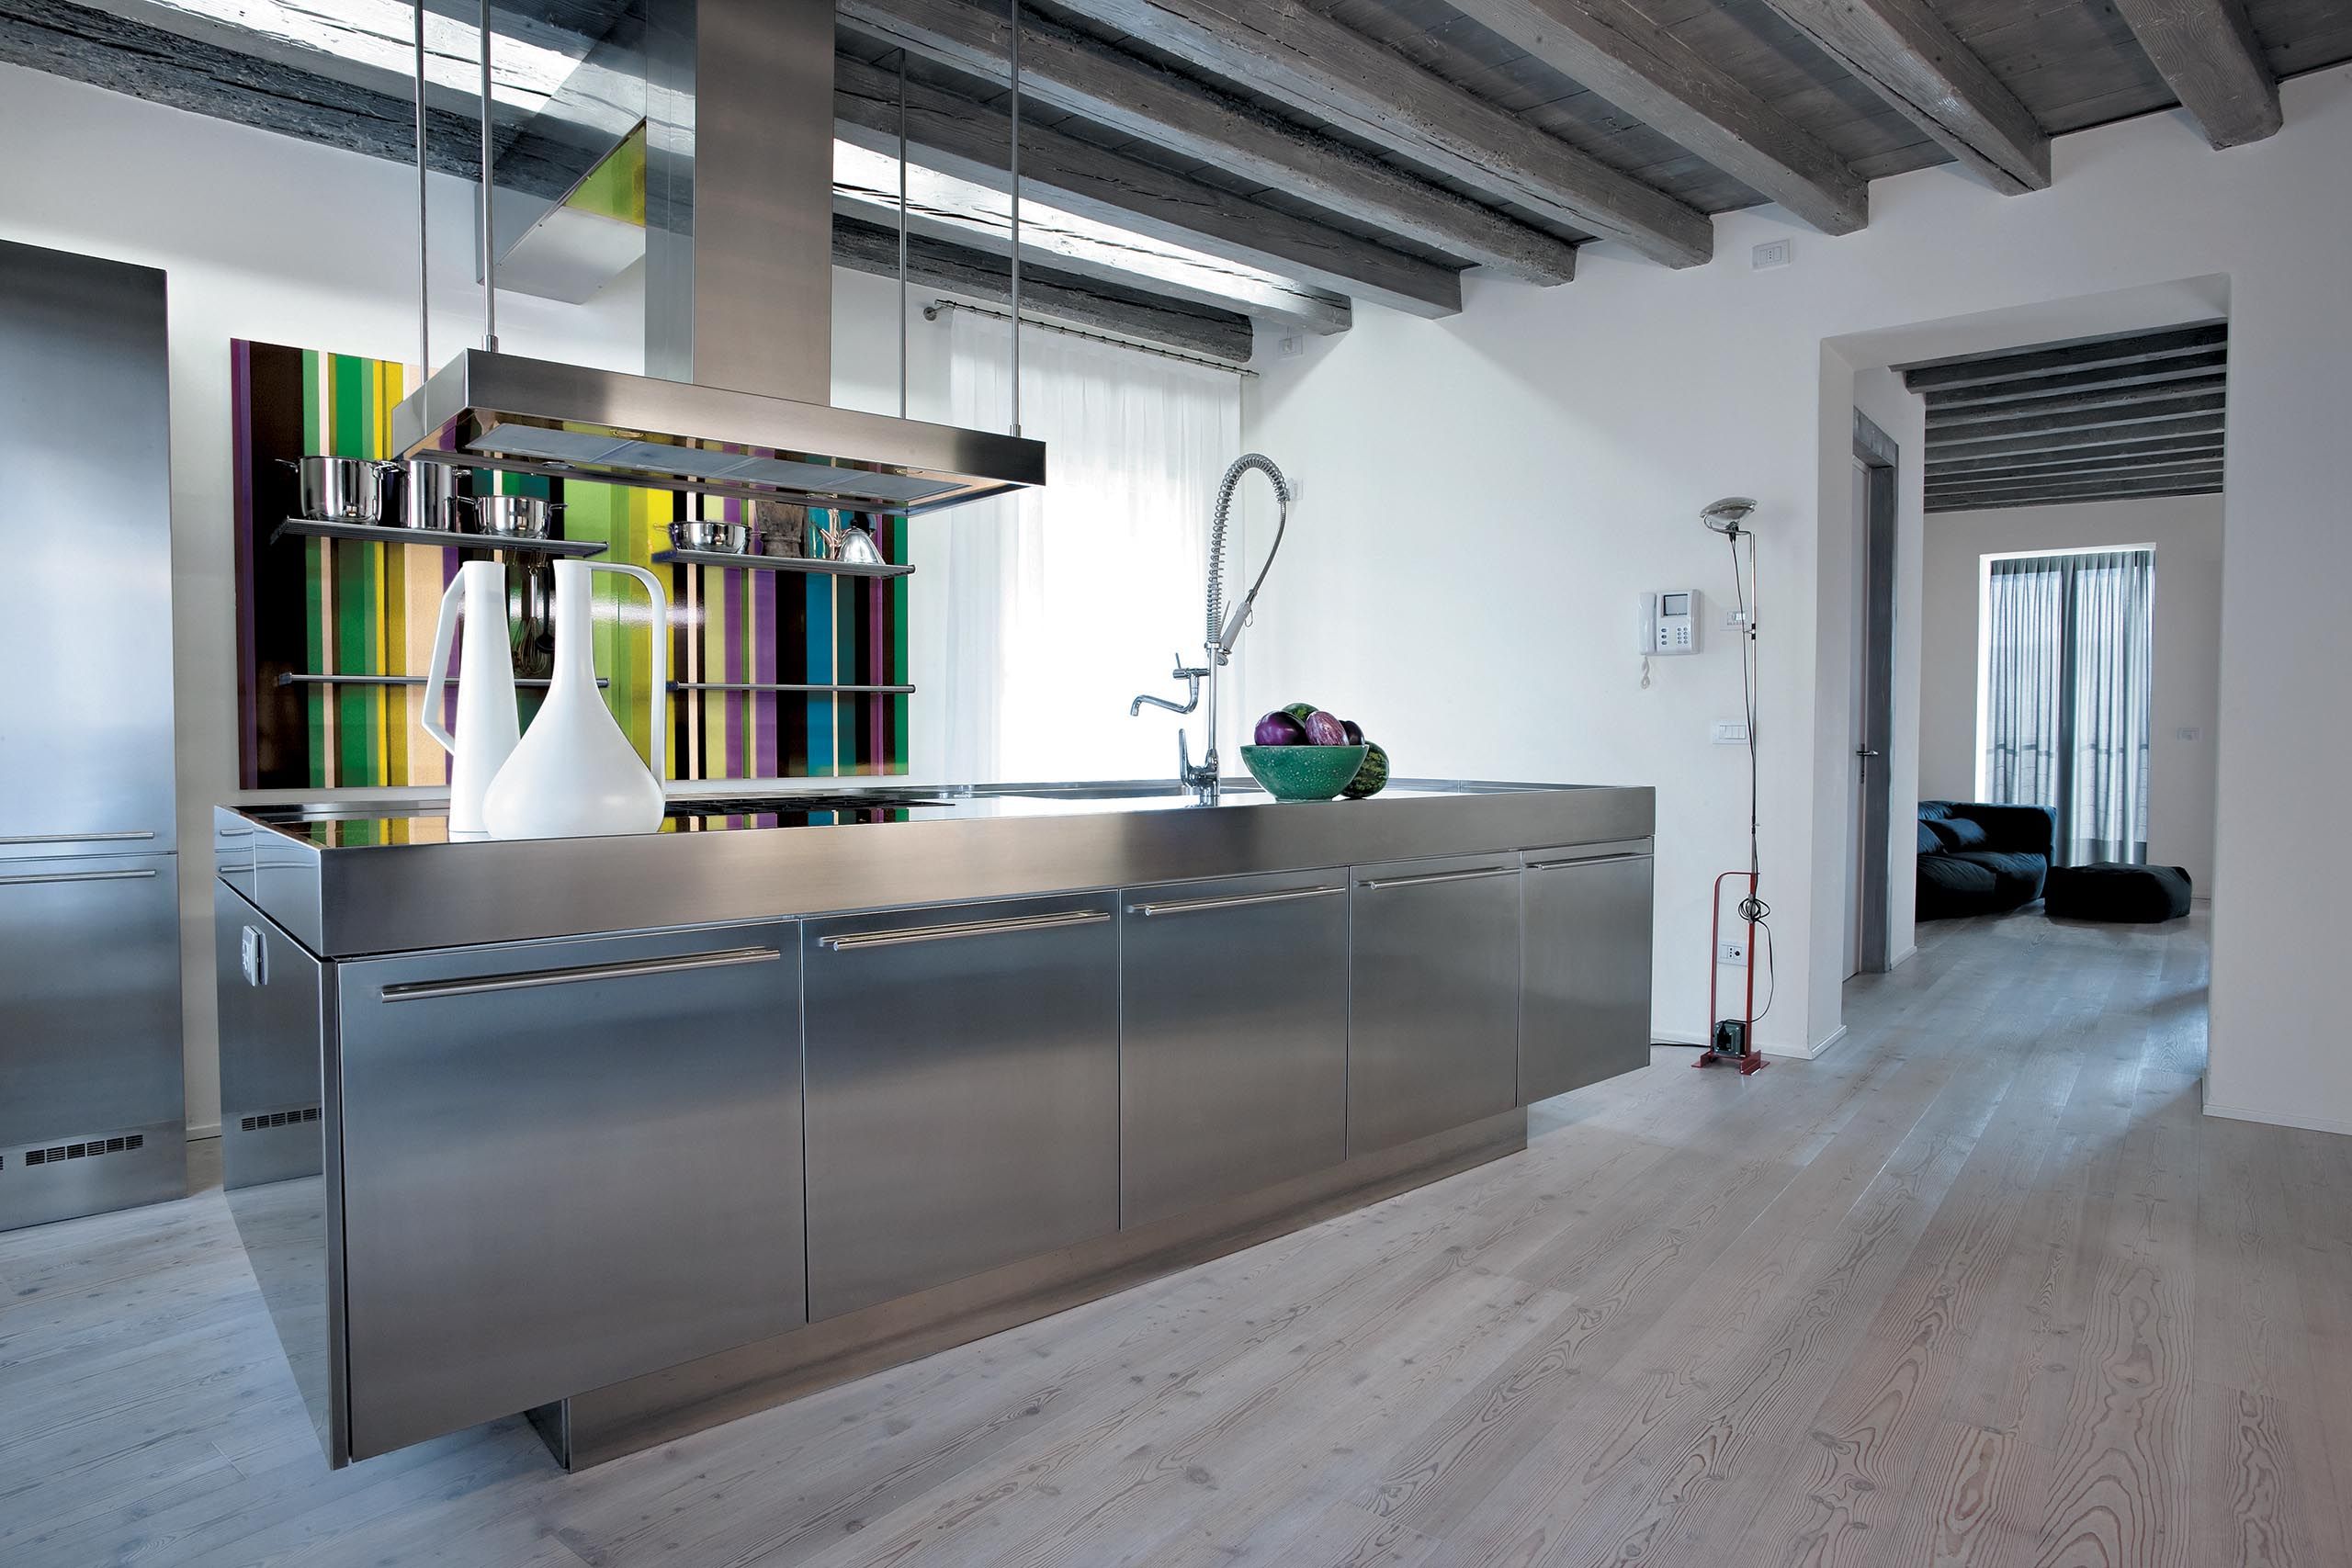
{"x":564,"y":1164}
{"x":1233,"y":1040}
{"x":1433,"y":1030}
{"x":89,"y":1035}
{"x":1586,"y":1009}
{"x":963,"y":1092}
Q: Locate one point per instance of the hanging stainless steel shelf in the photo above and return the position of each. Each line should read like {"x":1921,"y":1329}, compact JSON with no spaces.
{"x":288,"y":679}
{"x":777,"y":563}
{"x":440,"y":538}
{"x":816,"y":691}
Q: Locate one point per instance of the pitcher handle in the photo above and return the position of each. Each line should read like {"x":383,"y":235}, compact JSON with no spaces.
{"x":444,"y":638}
{"x":658,"y":718}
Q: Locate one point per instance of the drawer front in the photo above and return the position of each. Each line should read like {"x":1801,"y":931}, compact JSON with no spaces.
{"x":1233,"y":1049}
{"x":963,"y":1092}
{"x":1585,"y":1007}
{"x":564,"y":1164}
{"x":1434,"y":1031}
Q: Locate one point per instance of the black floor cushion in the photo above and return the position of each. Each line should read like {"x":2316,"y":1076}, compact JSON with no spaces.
{"x":2111,"y":892}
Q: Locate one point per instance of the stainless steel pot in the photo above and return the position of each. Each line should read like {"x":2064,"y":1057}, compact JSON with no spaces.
{"x":432,"y":495}
{"x":514,"y":516}
{"x":719,"y":538}
{"x":347,"y":490}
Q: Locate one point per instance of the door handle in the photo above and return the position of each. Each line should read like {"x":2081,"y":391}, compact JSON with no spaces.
{"x":532,"y":979}
{"x":1234,"y":901}
{"x":1585,"y":860}
{"x":1864,"y":751}
{"x":50,"y":876}
{"x":78,"y":838}
{"x":849,"y":942}
{"x":1430,"y":876}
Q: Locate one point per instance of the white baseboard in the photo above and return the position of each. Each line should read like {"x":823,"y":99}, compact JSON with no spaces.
{"x":1905,"y":956}
{"x":1823,"y":1048}
{"x":2301,"y":1123}
{"x":1676,"y":1037}
{"x":203,"y":1130}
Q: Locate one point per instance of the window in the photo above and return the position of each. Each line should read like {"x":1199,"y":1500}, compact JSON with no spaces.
{"x":2064,"y":695}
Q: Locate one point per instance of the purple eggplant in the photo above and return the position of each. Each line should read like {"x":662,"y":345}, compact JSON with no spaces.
{"x":1324,"y":729}
{"x":1278,"y":728}
{"x":1355,"y":731}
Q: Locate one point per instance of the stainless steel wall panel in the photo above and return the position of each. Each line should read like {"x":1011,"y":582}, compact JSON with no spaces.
{"x":1233,"y":1040}
{"x":963,"y":1092}
{"x":1586,"y":999}
{"x":1434,"y":1025}
{"x":564,"y":1164}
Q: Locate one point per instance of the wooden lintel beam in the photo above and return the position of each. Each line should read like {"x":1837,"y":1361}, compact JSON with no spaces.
{"x":2206,"y":51}
{"x":935,"y":266}
{"x":1618,"y":52}
{"x":1085,"y":78}
{"x":1955,"y":417}
{"x":2186,"y":367}
{"x":2133,"y":348}
{"x":1943,"y":437}
{"x":1316,"y":65}
{"x":965,"y":137}
{"x":1903,"y":52}
{"x":2206,"y":425}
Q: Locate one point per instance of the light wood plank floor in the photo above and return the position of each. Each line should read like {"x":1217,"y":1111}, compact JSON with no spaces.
{"x":1980,"y":1287}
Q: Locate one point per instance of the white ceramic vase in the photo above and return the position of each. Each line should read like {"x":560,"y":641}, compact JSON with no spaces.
{"x":575,"y":774}
{"x":488,"y":726}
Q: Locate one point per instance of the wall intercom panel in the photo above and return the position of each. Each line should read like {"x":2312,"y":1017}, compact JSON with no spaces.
{"x":1670,"y":622}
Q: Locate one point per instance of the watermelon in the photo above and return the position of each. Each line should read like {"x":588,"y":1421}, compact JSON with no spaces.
{"x":1371,"y":778}
{"x":1300,"y":711}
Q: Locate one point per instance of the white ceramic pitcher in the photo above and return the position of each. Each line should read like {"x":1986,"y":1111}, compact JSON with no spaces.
{"x":575,"y":774}
{"x":488,"y":728}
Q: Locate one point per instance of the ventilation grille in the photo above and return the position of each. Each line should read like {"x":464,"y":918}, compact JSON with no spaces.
{"x":90,"y":1149}
{"x":278,"y":1119}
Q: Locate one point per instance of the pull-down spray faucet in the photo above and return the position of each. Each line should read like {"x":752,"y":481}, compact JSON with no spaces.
{"x":1221,"y":630}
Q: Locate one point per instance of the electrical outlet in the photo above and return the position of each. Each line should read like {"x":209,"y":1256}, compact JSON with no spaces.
{"x":1770,"y":254}
{"x":1737,"y":618}
{"x":1731,"y":732}
{"x":1731,"y":952}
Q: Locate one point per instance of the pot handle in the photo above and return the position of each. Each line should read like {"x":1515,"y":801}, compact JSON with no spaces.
{"x":444,"y":638}
{"x":657,"y":726}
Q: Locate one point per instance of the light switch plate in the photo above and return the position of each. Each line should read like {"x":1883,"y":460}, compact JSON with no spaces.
{"x":253,"y":952}
{"x":1731,"y":732}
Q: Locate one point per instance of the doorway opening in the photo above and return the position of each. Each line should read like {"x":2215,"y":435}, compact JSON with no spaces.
{"x":1869,"y":805}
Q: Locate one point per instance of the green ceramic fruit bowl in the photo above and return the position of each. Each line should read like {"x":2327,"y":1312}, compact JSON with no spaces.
{"x":1303,"y":772}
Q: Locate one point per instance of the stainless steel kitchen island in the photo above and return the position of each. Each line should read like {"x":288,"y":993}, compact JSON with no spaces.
{"x":638,"y":1134}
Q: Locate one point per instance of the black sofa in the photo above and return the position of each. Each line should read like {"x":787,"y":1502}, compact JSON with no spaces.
{"x":1980,"y":859}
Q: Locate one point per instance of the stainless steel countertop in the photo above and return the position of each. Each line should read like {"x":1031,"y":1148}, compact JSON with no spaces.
{"x":351,"y":875}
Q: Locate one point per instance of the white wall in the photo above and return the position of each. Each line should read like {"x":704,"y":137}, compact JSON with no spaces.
{"x":2186,"y":534}
{"x":270,"y":238}
{"x":1487,"y":493}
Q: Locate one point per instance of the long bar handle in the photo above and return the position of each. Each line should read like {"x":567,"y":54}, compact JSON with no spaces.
{"x":50,"y":876}
{"x":1588,"y":860}
{"x":78,"y":838}
{"x":1441,"y":876}
{"x":851,"y":941}
{"x":1235,"y":901}
{"x":533,"y":979}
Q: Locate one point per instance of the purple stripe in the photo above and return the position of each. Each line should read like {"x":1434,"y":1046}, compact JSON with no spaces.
{"x":732,"y":596}
{"x":767,"y":746}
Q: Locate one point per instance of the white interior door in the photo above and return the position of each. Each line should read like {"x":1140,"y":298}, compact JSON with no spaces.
{"x":1857,"y":698}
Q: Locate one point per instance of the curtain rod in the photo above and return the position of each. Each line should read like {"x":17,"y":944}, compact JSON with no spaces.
{"x":930,"y":314}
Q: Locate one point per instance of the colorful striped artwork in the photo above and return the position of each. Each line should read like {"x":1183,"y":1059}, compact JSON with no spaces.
{"x":335,"y":636}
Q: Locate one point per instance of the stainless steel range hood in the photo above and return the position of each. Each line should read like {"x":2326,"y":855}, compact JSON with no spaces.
{"x":739,"y":288}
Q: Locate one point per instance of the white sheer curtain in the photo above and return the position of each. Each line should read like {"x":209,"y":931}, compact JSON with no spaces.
{"x":2069,"y":658}
{"x":1066,"y":602}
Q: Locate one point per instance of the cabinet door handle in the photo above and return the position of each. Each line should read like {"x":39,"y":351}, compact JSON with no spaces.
{"x":1585,"y":860}
{"x":50,"y":876}
{"x":532,"y":979}
{"x":1428,"y":876}
{"x":1232,"y":901}
{"x":76,"y":837}
{"x":849,"y":941}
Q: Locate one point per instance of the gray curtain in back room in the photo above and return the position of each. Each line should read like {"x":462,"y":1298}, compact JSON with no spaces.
{"x":2068,"y":660}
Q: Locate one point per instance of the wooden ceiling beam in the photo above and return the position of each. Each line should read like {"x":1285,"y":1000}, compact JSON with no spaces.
{"x":2188,"y":368}
{"x":2205,"y":425}
{"x":937,"y":267}
{"x":2038,"y":478}
{"x":1333,"y":73}
{"x":2207,"y":53}
{"x":2211,"y":408}
{"x":1903,"y":52}
{"x":2130,"y":348}
{"x":2071,"y":495}
{"x":1099,"y":83}
{"x":1612,"y":49}
{"x":960,"y":136}
{"x":2198,"y":453}
{"x":1951,"y":417}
